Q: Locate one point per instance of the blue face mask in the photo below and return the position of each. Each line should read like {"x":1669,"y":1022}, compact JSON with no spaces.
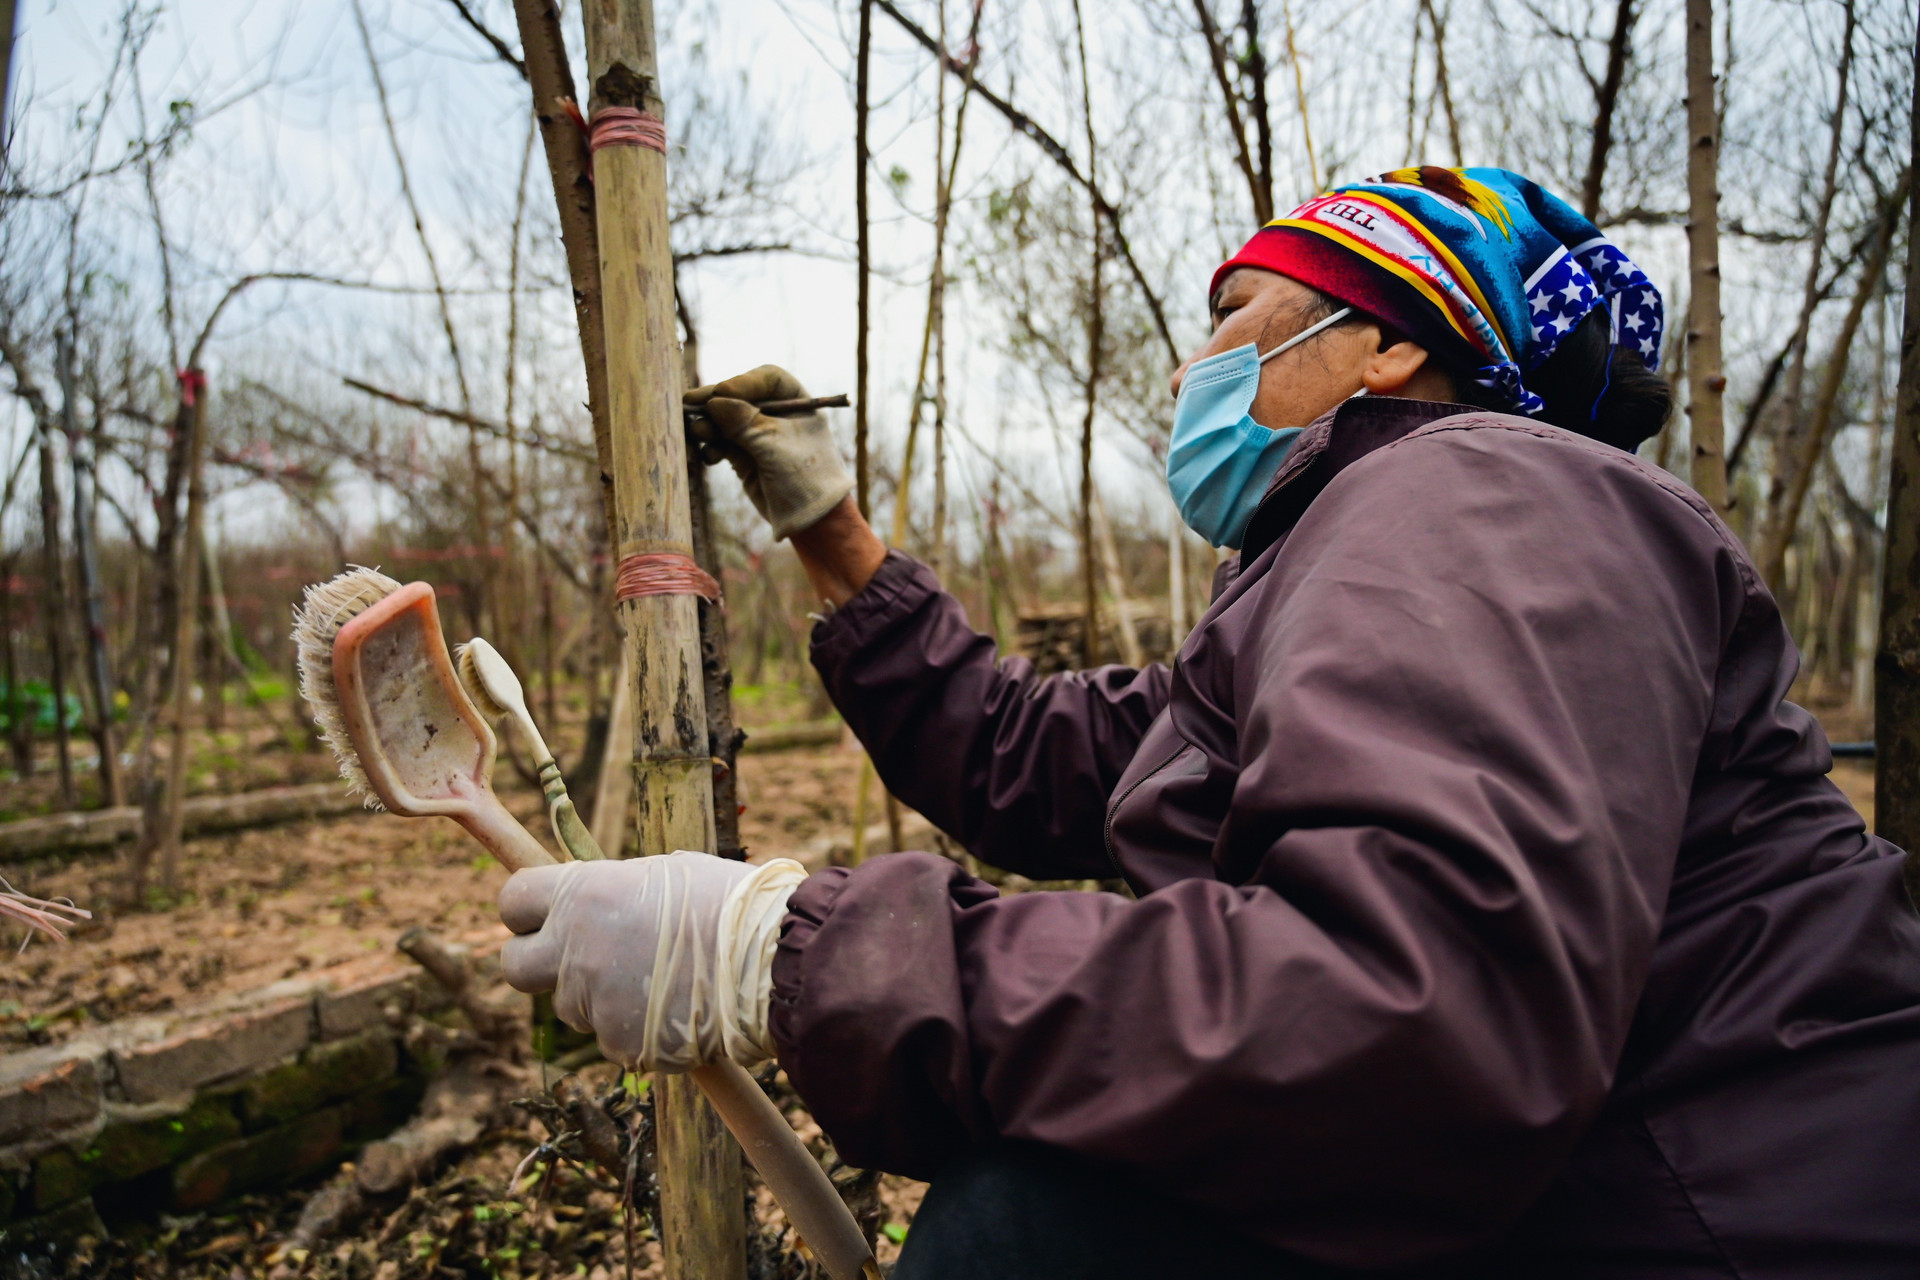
{"x":1219,"y":460}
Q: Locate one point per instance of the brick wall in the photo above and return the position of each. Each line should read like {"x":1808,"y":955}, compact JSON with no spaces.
{"x":176,"y":1113}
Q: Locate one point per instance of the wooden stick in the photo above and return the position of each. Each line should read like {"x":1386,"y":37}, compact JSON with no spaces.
{"x":703,"y":1225}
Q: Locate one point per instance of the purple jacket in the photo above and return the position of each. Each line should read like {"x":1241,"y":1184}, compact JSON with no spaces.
{"x":1495,"y":911}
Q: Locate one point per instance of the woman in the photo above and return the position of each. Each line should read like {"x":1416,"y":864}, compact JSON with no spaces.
{"x":1494,"y":914}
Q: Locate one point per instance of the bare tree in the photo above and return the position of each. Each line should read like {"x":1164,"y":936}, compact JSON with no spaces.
{"x":1706,"y":385}
{"x":1896,"y":710}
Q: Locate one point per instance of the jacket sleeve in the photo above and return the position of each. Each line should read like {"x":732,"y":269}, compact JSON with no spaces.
{"x":1469,"y":715}
{"x":1016,"y":767}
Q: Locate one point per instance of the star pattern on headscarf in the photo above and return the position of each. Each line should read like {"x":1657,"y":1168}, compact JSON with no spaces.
{"x":1638,"y":315}
{"x":1560,"y":297}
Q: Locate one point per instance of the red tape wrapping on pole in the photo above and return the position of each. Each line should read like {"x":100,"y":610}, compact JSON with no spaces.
{"x":627,"y":127}
{"x":663,"y":573}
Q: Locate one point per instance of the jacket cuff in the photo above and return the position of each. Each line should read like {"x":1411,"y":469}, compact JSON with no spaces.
{"x":807,"y":910}
{"x":898,"y":588}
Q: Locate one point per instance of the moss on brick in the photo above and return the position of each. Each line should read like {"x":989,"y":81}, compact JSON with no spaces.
{"x":59,"y":1178}
{"x":127,"y":1150}
{"x":323,"y":1074}
{"x":278,"y":1155}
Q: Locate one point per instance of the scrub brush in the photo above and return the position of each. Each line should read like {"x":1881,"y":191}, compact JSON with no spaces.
{"x":497,"y":692}
{"x":375,"y":671}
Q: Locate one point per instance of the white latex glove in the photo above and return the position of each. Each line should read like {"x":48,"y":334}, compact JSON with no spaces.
{"x":668,"y":960}
{"x":790,"y":465}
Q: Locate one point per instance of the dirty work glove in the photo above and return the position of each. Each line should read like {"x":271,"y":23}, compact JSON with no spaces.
{"x":790,"y":465}
{"x":667,"y":960}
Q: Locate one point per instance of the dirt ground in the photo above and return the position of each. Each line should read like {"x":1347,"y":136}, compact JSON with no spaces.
{"x":254,"y":907}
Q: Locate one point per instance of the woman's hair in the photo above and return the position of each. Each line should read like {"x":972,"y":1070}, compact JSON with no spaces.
{"x":1591,"y":386}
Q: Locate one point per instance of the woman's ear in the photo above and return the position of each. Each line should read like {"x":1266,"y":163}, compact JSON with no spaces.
{"x":1390,"y":369}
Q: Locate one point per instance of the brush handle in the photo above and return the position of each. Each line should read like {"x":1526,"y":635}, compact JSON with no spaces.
{"x":488,"y":821}
{"x":815,"y":1209}
{"x":567,"y":827}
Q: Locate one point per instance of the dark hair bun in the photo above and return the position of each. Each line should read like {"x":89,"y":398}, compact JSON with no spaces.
{"x":1599,"y":390}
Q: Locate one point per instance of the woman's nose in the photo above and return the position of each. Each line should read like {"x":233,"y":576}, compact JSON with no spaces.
{"x":1179,"y":376}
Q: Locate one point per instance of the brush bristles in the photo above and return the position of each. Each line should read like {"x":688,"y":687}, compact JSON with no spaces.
{"x":469,"y":672}
{"x":317,"y":620}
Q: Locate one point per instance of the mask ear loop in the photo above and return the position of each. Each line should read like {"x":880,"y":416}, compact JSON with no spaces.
{"x":1306,"y":333}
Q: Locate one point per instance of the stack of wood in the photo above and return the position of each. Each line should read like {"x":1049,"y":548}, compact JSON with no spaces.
{"x":1049,"y":635}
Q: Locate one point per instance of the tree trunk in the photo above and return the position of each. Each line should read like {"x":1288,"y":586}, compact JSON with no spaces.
{"x":1254,"y":68}
{"x":551,"y":80}
{"x":1786,"y":517}
{"x":19,"y":723}
{"x":716,"y":662}
{"x":186,"y":619}
{"x":1896,"y":704}
{"x":55,"y":593}
{"x":863,"y":252}
{"x":1706,"y":385}
{"x":1096,"y":339}
{"x":1220,"y":59}
{"x":1130,"y":651}
{"x":1605,"y":99}
{"x":99,"y":661}
{"x":6,"y":64}
{"x":1177,"y":624}
{"x":1793,"y":431}
{"x":703,"y":1225}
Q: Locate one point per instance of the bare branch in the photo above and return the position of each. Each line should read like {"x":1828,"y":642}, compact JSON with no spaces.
{"x":500,"y":47}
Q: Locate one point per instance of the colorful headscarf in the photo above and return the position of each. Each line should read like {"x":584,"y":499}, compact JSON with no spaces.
{"x":1479,"y":262}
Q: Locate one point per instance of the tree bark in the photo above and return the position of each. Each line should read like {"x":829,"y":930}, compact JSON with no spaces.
{"x":1793,"y":427}
{"x":1218,"y":58}
{"x":1897,"y":660}
{"x":54,"y":590}
{"x":1442,"y":80}
{"x":1254,"y":68}
{"x":544,"y":44}
{"x":1130,"y":651}
{"x":863,"y":251}
{"x":1605,"y":98}
{"x":1089,"y":571}
{"x":1706,"y":385}
{"x":1786,"y":516}
{"x":716,"y":663}
{"x":703,"y":1225}
{"x":99,"y":661}
{"x":186,"y":619}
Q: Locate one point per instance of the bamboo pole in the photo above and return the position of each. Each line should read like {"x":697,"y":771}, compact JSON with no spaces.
{"x":702,"y":1195}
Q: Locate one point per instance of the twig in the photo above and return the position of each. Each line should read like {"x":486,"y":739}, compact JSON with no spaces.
{"x":495,"y":429}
